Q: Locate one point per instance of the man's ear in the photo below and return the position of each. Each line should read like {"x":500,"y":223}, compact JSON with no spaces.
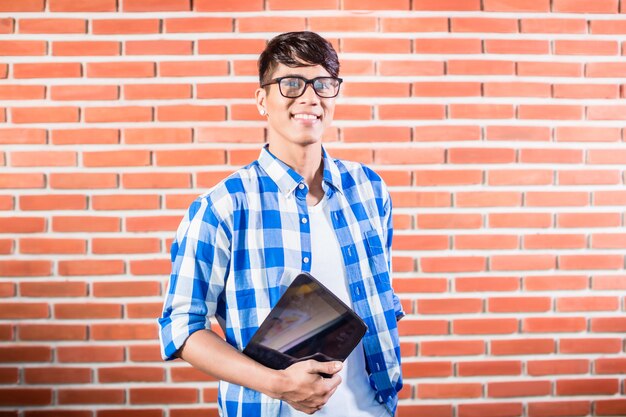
{"x":260,"y":96}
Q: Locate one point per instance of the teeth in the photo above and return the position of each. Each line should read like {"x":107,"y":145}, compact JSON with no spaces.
{"x":305,"y":116}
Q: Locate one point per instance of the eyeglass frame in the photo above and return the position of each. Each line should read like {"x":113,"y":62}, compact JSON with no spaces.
{"x":306,"y":84}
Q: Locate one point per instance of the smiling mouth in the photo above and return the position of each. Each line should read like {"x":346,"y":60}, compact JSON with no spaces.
{"x":304,"y":116}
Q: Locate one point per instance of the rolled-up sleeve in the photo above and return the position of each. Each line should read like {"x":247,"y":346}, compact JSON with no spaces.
{"x":200,"y":260}
{"x":388,"y":230}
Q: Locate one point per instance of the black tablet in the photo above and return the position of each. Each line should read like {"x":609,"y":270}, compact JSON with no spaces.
{"x":308,"y":322}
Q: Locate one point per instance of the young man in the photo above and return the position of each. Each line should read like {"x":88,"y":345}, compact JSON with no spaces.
{"x":294,"y":209}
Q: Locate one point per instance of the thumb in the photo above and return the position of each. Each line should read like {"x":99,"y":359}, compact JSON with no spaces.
{"x":326,"y":367}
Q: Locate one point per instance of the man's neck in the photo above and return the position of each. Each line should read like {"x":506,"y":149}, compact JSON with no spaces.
{"x":306,"y":161}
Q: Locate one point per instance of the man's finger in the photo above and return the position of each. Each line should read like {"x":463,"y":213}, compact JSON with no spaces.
{"x":329,"y":368}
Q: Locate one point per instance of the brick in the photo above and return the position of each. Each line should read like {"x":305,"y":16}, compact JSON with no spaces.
{"x":53,"y":289}
{"x":45,"y":159}
{"x":552,"y":112}
{"x":421,"y":242}
{"x":585,"y":47}
{"x":481,"y":25}
{"x":52,"y":332}
{"x":125,"y":26}
{"x":85,"y":48}
{"x":481,"y":111}
{"x":549,"y":69}
{"x":159,"y":47}
{"x":84,"y":136}
{"x":605,"y":69}
{"x":90,"y":396}
{"x":449,"y":221}
{"x":554,"y":25}
{"x":555,"y":241}
{"x":212,"y":6}
{"x":586,"y":91}
{"x":608,"y":325}
{"x":123,"y":332}
{"x":57,"y":375}
{"x":158,"y":180}
{"x":25,"y":396}
{"x":125,"y":245}
{"x":488,"y":199}
{"x":131,"y":374}
{"x":421,"y":199}
{"x":24,"y":310}
{"x":608,"y":282}
{"x":449,"y":390}
{"x":376,"y":90}
{"x":519,"y":89}
{"x":157,"y":91}
{"x":522,"y":347}
{"x":610,"y":407}
{"x":88,"y":354}
{"x":518,"y":133}
{"x":376,"y":5}
{"x":376,"y":134}
{"x":157,"y":135}
{"x":22,"y":6}
{"x":124,"y":412}
{"x":410,"y":111}
{"x":587,"y":134}
{"x":191,"y":157}
{"x":22,"y":136}
{"x":553,"y":324}
{"x":125,"y":202}
{"x":422,"y":327}
{"x":519,"y":389}
{"x":271,"y":24}
{"x":82,"y":5}
{"x":26,"y":353}
{"x":9,"y":376}
{"x":53,"y":202}
{"x":556,"y":156}
{"x":91,"y":267}
{"x":408,"y":156}
{"x":448,"y":46}
{"x":508,"y":46}
{"x":84,"y":92}
{"x":480,"y":67}
{"x":567,"y":220}
{"x":22,"y":48}
{"x":193,"y":68}
{"x":610,"y":365}
{"x":411,"y":68}
{"x":190,"y":112}
{"x":152,"y":223}
{"x":151,"y":267}
{"x":520,"y":177}
{"x":585,"y":6}
{"x":609,"y":198}
{"x":519,"y":304}
{"x":134,"y":289}
{"x":446,"y":89}
{"x":373,"y":45}
{"x":484,"y":326}
{"x":608,"y":241}
{"x":17,"y":268}
{"x":516,"y":6}
{"x":157,"y":5}
{"x":340,"y":24}
{"x":449,"y":306}
{"x":453,"y":264}
{"x":118,"y":114}
{"x":49,"y":26}
{"x":163,"y":395}
{"x":522,"y":262}
{"x":480,"y":284}
{"x":559,"y":408}
{"x":490,"y":241}
{"x":22,"y":92}
{"x":446,"y":5}
{"x":572,"y":304}
{"x":145,"y":353}
{"x":22,"y":181}
{"x":87,"y":311}
{"x":587,"y":387}
{"x":606,"y":112}
{"x":83,"y":180}
{"x":555,"y":283}
{"x":557,"y":199}
{"x":52,"y":246}
{"x":607,"y":27}
{"x":22,"y":224}
{"x":121,"y":69}
{"x":6,"y":248}
{"x":45,"y":114}
{"x":230,"y":46}
{"x":595,"y":345}
{"x":451,"y":348}
{"x":116,"y":158}
{"x":143,"y":310}
{"x":7,"y":25}
{"x":189,"y":374}
{"x":85,"y":224}
{"x":484,"y":368}
{"x":447,"y":177}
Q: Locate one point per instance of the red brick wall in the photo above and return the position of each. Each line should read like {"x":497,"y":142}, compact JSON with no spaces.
{"x":498,"y":125}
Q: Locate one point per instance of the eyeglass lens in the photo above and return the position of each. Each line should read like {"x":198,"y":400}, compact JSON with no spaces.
{"x":292,"y":87}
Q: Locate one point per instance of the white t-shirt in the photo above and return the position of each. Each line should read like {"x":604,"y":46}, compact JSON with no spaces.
{"x":354,"y":397}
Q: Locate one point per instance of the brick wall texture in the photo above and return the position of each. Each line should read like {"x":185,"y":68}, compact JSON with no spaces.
{"x":499,"y":126}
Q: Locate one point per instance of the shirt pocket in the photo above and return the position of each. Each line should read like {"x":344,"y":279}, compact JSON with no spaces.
{"x":377,"y":259}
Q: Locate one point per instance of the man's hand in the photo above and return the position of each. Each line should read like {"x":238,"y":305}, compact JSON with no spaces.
{"x":305,"y":389}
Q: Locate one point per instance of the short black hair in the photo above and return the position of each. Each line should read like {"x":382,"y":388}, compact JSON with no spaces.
{"x":297,"y":49}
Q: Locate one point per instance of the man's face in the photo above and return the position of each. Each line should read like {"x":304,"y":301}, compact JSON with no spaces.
{"x":299,"y":120}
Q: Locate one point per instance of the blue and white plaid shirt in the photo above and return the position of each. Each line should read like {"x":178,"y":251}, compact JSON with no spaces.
{"x":242,"y":243}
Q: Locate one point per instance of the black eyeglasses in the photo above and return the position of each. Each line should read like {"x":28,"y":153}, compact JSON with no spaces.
{"x":293,"y":86}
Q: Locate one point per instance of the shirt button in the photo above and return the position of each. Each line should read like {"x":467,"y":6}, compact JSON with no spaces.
{"x":380,"y":398}
{"x":301,"y":186}
{"x":305,"y":260}
{"x":304,"y":220}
